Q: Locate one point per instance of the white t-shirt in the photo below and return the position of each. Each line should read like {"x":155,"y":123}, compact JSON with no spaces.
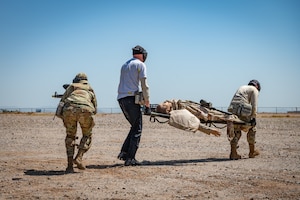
{"x":131,"y":73}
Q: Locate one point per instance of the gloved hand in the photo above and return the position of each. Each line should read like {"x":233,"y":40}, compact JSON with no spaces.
{"x":147,"y":111}
{"x":253,"y":122}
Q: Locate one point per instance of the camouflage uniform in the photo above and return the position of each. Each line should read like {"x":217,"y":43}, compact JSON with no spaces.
{"x":245,"y":95}
{"x":79,"y":105}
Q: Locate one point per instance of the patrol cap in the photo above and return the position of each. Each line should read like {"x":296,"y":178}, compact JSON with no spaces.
{"x":255,"y":83}
{"x":79,"y":77}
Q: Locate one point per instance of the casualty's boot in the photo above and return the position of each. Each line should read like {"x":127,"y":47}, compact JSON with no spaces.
{"x":78,"y":159}
{"x":70,"y":168}
{"x":233,"y":154}
{"x":252,"y":152}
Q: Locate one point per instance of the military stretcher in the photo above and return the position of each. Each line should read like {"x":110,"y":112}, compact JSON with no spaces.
{"x":195,"y":116}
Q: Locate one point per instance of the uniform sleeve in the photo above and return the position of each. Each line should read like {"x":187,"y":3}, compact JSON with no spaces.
{"x":94,"y":101}
{"x":253,"y":102}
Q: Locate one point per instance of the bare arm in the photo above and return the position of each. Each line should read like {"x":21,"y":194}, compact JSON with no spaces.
{"x":145,"y":89}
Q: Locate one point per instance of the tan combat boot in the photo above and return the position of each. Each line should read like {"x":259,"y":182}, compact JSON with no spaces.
{"x":252,"y":152}
{"x":78,"y":159}
{"x":233,"y":154}
{"x":70,"y":168}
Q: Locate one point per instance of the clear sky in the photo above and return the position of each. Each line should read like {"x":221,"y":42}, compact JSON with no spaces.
{"x":200,"y":49}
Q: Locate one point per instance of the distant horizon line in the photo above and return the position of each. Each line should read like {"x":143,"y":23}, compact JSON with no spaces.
{"x":51,"y":109}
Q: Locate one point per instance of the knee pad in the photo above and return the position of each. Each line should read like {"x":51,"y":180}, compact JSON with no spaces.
{"x":70,"y":141}
{"x":70,"y":145}
{"x":251,"y":136}
{"x":85,"y":143}
{"x":236,"y":138}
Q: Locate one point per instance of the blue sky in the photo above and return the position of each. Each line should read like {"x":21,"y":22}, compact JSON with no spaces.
{"x":201,"y":49}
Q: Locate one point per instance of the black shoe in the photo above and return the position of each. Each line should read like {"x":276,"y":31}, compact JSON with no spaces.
{"x":122,"y":156}
{"x":132,"y":162}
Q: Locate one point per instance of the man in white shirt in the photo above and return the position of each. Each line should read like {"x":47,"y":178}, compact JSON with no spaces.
{"x":133,"y":78}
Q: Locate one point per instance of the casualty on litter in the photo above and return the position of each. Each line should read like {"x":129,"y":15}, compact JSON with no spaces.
{"x":192,"y":116}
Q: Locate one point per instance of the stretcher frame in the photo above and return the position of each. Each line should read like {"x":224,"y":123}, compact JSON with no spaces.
{"x":209,"y":117}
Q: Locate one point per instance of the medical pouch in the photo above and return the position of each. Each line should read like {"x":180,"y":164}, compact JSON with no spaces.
{"x":241,"y":109}
{"x":245,"y":110}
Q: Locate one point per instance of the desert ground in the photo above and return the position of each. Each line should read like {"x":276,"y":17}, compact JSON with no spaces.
{"x":176,"y":164}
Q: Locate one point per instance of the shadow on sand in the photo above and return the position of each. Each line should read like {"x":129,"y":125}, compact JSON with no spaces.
{"x":33,"y":172}
{"x":162,"y":163}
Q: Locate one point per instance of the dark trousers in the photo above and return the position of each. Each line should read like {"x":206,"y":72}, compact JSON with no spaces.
{"x":133,"y":114}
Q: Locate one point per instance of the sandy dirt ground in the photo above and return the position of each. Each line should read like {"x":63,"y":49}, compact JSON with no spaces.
{"x":176,"y":164}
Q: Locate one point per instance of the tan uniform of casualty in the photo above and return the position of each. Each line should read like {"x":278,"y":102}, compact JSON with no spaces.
{"x":79,"y":105}
{"x":246,"y":95}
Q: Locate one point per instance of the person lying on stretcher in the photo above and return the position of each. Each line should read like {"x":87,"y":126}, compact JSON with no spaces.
{"x":192,"y":116}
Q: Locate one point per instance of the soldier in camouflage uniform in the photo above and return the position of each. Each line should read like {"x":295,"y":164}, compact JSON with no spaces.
{"x":79,"y":105}
{"x":244,"y":105}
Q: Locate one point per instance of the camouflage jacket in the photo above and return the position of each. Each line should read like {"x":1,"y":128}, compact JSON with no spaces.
{"x":80,"y":95}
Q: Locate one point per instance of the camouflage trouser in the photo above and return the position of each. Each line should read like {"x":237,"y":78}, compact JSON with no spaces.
{"x":234,"y":133}
{"x":71,"y":118}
